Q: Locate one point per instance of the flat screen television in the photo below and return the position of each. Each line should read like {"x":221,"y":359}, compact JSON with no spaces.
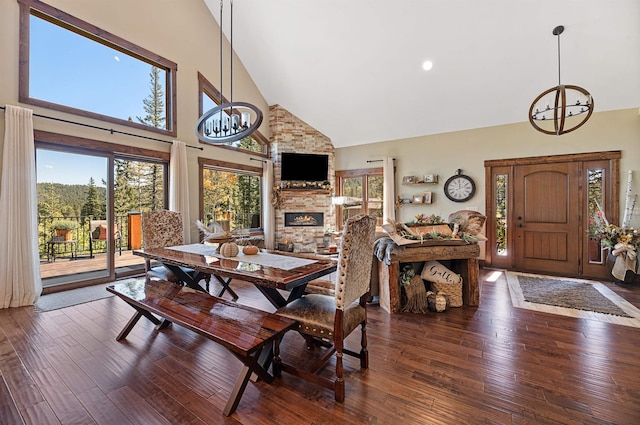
{"x":304,"y":167}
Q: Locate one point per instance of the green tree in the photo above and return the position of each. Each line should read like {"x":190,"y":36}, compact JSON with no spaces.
{"x":154,"y":103}
{"x":93,"y":205}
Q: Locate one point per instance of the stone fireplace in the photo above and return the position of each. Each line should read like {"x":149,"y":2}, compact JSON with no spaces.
{"x":290,"y":134}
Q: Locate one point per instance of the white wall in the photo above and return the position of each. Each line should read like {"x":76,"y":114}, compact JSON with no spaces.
{"x":442,"y":154}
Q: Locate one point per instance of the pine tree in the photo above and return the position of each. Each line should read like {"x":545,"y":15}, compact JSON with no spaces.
{"x":93,"y":206}
{"x":154,"y":103}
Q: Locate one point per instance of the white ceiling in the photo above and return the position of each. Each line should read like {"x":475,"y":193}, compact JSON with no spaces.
{"x":352,"y":69}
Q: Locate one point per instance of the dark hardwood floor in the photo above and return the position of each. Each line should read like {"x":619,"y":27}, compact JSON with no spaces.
{"x":492,"y":364}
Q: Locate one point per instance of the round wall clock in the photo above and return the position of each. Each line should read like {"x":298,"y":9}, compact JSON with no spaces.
{"x":459,"y":188}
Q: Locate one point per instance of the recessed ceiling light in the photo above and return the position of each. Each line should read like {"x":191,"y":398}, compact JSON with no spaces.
{"x":427,"y":65}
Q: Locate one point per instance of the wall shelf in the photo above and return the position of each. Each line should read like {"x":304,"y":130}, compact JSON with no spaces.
{"x":426,"y":179}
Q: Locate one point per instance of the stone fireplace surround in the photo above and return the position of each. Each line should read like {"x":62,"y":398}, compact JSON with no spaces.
{"x":290,"y":134}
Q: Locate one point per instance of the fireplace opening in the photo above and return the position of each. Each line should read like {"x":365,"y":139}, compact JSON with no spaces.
{"x":309,"y":219}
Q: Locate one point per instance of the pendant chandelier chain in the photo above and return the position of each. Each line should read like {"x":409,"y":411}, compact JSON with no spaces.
{"x":232,"y":121}
{"x":559,"y":83}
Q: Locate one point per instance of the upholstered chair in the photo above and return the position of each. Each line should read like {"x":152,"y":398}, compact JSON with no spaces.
{"x":160,"y":229}
{"x":330,"y":319}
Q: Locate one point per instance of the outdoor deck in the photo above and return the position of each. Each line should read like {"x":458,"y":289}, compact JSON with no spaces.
{"x":83,"y":264}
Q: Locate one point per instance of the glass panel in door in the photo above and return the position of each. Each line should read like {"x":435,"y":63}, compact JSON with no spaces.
{"x":375,"y":186}
{"x":139,"y":186}
{"x":353,"y":191}
{"x":72,"y":195}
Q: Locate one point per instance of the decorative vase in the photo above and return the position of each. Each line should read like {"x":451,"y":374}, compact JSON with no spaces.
{"x":629,"y":276}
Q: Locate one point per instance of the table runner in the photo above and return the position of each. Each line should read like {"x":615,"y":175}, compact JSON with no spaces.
{"x":283,"y":262}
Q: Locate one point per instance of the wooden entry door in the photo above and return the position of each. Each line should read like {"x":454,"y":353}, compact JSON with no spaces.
{"x":546,"y":212}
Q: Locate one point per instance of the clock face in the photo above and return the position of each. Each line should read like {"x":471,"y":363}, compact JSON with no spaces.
{"x":459,"y":188}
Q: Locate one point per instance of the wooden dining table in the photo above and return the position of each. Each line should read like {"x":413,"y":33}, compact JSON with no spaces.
{"x":269,"y":271}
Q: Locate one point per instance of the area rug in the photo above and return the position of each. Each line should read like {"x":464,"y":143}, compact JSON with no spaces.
{"x":571,"y":297}
{"x":72,"y":297}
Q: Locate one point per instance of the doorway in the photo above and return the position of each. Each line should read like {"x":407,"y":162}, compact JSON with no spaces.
{"x":539,"y":209}
{"x":100,"y":194}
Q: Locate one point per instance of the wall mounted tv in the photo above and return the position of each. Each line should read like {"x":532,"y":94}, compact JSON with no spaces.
{"x":304,"y":167}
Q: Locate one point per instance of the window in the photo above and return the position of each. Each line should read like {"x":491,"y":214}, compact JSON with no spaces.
{"x":209,"y":98}
{"x":362,"y":191}
{"x":230,"y":195}
{"x":69,"y":65}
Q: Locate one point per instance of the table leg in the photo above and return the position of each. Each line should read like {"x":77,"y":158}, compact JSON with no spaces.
{"x":226,"y":287}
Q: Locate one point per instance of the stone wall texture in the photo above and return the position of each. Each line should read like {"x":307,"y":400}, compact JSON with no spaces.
{"x":290,"y":134}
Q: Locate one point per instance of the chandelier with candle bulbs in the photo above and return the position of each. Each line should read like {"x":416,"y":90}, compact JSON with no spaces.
{"x":553,"y":111}
{"x":231,"y":121}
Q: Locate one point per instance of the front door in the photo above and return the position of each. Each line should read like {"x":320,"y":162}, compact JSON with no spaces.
{"x":539,"y":210}
{"x":546,"y":212}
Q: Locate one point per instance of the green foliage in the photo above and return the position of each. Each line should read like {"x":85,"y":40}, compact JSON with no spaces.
{"x":94,"y":206}
{"x":154,"y":103}
{"x":65,"y":225}
{"x":56,"y":199}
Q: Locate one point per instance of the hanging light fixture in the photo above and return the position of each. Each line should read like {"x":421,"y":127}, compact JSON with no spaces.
{"x":232,"y":121}
{"x":560,"y":104}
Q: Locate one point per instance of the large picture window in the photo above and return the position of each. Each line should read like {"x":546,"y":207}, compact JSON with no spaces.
{"x":230,"y":195}
{"x":69,"y":65}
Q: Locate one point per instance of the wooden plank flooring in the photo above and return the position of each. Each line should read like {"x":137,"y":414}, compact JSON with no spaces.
{"x":491,"y":364}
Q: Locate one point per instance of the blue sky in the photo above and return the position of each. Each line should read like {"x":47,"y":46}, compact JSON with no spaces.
{"x":69,"y":69}
{"x":72,"y":70}
{"x":68,"y":168}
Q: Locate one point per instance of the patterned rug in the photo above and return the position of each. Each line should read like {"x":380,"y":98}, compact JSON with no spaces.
{"x":63,"y":299}
{"x":571,"y":297}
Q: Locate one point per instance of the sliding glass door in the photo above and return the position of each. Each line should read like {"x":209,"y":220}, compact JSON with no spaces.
{"x":89,"y":213}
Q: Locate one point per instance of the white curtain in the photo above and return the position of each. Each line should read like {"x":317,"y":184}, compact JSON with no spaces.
{"x":268,"y":219}
{"x":20,"y":282}
{"x":179,"y":186}
{"x":388,"y":203}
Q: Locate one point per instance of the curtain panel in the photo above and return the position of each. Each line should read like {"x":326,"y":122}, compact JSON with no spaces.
{"x":268,"y":221}
{"x":20,"y":282}
{"x":179,"y":186}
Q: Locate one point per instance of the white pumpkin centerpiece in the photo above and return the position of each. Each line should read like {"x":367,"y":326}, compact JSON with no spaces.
{"x":229,"y":249}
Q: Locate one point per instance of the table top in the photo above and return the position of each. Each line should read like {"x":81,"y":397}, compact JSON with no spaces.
{"x":245,"y":268}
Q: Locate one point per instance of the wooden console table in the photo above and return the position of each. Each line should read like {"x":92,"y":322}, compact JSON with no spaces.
{"x":465,"y":263}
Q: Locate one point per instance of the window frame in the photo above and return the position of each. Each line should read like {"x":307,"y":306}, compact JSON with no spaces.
{"x":364,"y":174}
{"x":207,"y":163}
{"x":205,"y":88}
{"x":82,"y":28}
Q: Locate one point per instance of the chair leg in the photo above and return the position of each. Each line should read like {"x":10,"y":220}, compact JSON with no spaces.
{"x":339,"y":383}
{"x":364,"y":352}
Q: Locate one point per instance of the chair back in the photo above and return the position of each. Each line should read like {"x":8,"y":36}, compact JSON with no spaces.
{"x":161,"y":228}
{"x":354,"y":263}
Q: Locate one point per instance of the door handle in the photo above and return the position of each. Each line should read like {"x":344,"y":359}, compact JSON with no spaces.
{"x":519,"y":225}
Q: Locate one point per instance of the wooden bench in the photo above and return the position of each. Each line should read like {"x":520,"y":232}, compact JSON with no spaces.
{"x":250,"y":334}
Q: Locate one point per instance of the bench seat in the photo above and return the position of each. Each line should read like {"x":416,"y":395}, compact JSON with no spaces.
{"x":250,"y":334}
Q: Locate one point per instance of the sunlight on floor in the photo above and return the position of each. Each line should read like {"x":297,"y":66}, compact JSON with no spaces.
{"x":494,"y":276}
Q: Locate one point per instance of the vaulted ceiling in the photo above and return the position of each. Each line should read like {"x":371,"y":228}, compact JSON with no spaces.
{"x":352,"y":69}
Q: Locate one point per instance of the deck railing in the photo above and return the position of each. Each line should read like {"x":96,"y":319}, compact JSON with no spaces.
{"x":47,"y":231}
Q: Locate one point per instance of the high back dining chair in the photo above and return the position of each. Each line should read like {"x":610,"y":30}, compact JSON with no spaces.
{"x":160,"y":229}
{"x":331,"y":319}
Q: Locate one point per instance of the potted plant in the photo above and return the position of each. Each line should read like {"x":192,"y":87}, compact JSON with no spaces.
{"x":65,"y":228}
